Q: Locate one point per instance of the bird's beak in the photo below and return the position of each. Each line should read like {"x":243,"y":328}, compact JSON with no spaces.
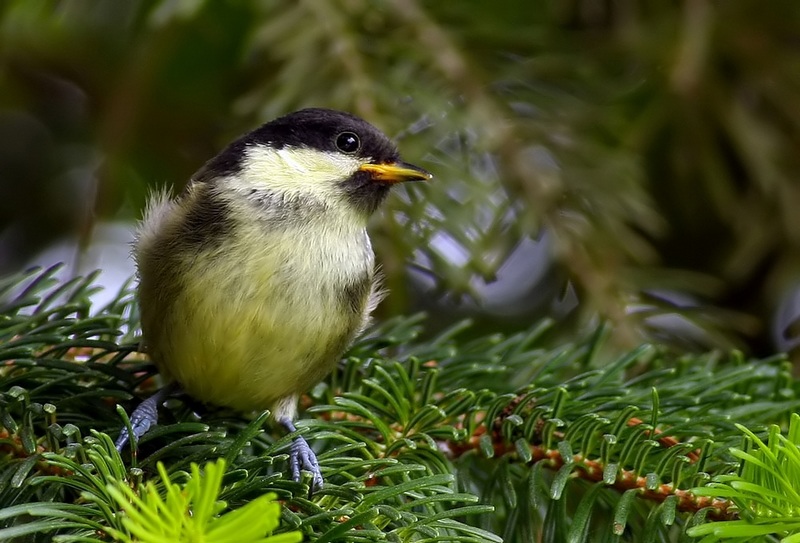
{"x":395,"y":172}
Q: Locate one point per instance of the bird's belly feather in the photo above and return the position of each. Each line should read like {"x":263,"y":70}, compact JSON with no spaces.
{"x":248,"y":330}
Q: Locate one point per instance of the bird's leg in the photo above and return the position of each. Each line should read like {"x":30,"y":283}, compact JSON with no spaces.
{"x":146,"y":414}
{"x":302,"y":457}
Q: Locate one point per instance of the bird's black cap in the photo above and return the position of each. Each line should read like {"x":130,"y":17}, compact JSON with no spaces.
{"x":318,"y":128}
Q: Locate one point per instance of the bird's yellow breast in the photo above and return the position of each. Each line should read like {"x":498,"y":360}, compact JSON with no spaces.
{"x":260,"y":317}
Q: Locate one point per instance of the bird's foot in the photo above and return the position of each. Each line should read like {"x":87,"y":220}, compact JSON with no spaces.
{"x":302,"y":457}
{"x":145,"y":416}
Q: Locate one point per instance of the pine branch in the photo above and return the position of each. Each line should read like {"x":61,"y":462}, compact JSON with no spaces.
{"x":444,"y":437}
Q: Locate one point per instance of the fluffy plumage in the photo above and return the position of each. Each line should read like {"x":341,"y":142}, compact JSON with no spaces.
{"x":254,"y":281}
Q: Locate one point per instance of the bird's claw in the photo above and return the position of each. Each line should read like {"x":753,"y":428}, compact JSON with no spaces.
{"x":145,"y":416}
{"x":302,"y":457}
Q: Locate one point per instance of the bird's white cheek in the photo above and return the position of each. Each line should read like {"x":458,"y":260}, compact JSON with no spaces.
{"x":296,"y":171}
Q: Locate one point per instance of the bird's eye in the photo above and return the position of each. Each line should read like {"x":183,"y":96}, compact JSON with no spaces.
{"x":347,"y":142}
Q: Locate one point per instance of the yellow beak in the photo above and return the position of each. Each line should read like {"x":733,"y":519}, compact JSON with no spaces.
{"x":396,"y":172}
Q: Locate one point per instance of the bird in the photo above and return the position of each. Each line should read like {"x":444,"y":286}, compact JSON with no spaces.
{"x":258,"y":276}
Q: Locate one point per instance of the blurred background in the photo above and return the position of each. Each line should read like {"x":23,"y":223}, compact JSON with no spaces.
{"x":634,"y":162}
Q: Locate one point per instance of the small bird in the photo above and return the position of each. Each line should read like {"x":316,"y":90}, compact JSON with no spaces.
{"x":255,"y":280}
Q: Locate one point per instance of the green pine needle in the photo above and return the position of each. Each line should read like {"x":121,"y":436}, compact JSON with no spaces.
{"x":191,"y":513}
{"x":765,"y":490}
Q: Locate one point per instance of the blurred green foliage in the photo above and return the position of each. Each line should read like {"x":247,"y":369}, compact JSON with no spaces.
{"x":637,"y":157}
